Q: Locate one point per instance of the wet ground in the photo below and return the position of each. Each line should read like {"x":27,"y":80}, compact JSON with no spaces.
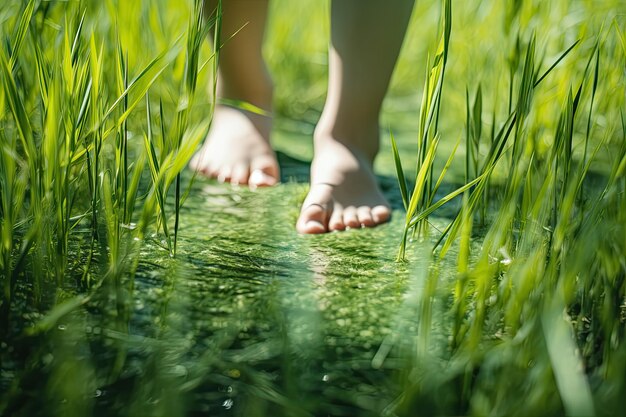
{"x":249,"y":319}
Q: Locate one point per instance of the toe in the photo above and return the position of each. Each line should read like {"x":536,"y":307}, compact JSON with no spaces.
{"x":364,"y":215}
{"x":350,"y":218}
{"x":336,"y":219}
{"x":240,"y":174}
{"x":200,"y":165}
{"x":197,"y":158}
{"x":210,"y":171}
{"x":381,"y":214}
{"x":224,"y":174}
{"x":199,"y":162}
{"x":259,"y":178}
{"x":316,"y":211}
{"x":313,"y":219}
{"x":193,"y":163}
{"x":264,"y":170}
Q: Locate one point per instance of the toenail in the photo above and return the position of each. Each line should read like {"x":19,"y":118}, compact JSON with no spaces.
{"x":322,"y":206}
{"x":258,"y":177}
{"x":312,"y":225}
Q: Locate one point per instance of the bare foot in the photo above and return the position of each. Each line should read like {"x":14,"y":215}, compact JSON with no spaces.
{"x":344,"y":192}
{"x":238,"y":150}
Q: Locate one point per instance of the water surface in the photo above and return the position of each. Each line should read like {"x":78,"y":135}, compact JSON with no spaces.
{"x":250,"y":318}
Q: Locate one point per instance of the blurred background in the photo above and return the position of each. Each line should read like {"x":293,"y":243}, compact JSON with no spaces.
{"x":249,"y":318}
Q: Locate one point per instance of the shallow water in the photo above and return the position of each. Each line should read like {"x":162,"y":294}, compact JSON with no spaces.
{"x":250,"y":318}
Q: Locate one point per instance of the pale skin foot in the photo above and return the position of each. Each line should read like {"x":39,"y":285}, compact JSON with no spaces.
{"x":238,"y":149}
{"x":344,"y":193}
{"x":366,"y":36}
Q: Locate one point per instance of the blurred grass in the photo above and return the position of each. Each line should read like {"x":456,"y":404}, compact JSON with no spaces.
{"x":72,"y":129}
{"x":532,"y":321}
{"x":483,"y":46}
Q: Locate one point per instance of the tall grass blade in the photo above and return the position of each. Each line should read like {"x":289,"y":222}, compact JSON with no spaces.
{"x":20,"y":32}
{"x":399,"y":171}
{"x":555,"y":63}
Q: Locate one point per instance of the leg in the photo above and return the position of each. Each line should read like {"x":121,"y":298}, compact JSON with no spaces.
{"x":237,"y":149}
{"x":366,"y":36}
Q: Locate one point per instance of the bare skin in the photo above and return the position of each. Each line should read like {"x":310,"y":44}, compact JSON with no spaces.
{"x":251,"y":162}
{"x":366,"y":36}
{"x":237,"y":149}
{"x":344,"y":191}
{"x":346,"y":196}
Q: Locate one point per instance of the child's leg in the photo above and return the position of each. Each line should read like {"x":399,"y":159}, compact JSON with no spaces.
{"x":366,"y":36}
{"x":237,"y":149}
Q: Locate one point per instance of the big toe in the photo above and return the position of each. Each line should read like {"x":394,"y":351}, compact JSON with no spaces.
{"x":197,"y":162}
{"x":313,"y":219}
{"x":264,"y":172}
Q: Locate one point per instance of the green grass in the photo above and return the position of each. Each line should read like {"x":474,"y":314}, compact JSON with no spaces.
{"x":538,"y":290}
{"x":70,"y":97}
{"x":521,"y":118}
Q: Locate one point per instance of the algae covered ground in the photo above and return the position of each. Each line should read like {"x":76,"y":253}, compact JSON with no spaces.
{"x":132,"y":287}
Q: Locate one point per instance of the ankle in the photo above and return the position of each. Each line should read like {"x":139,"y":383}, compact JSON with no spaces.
{"x":362,"y":141}
{"x":258,"y":91}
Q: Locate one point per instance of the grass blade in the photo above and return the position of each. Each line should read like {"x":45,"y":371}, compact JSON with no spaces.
{"x":399,"y":171}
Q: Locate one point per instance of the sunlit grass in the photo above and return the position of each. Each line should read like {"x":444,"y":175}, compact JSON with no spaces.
{"x":518,"y":113}
{"x":549,"y":234}
{"x":71,"y":160}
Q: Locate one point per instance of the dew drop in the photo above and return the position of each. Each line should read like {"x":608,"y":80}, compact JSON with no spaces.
{"x":228,"y":404}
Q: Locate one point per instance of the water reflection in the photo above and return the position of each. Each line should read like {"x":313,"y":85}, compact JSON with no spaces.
{"x":278,"y":320}
{"x":249,"y":319}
